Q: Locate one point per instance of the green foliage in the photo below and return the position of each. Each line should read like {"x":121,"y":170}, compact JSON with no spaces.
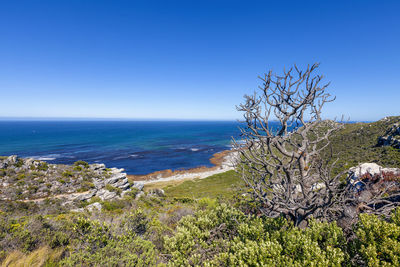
{"x":62,"y":180}
{"x":81,"y":163}
{"x":67,"y":174}
{"x":217,"y":234}
{"x":130,"y":195}
{"x":114,"y":206}
{"x":59,"y":239}
{"x":113,"y":189}
{"x":19,"y":163}
{"x":87,"y":186}
{"x":357,"y":143}
{"x":78,"y":168}
{"x":43,"y":166}
{"x":100,"y":247}
{"x":223,"y":184}
{"x":21,"y":176}
{"x":136,"y":222}
{"x":379,"y":241}
{"x":225,"y":236}
{"x":118,"y":251}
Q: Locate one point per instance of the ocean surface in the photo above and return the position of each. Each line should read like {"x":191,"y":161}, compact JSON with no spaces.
{"x":140,"y":147}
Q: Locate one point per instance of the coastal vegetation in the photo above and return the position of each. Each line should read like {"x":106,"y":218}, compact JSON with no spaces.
{"x":313,"y":196}
{"x":206,"y":232}
{"x":211,"y":221}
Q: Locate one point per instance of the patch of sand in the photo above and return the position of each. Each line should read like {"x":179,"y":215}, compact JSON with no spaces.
{"x":224,"y":161}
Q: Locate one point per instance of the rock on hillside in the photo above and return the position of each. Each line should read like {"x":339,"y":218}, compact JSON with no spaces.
{"x":360,"y":142}
{"x":372,"y":188}
{"x":33,"y":180}
{"x":391,"y":137}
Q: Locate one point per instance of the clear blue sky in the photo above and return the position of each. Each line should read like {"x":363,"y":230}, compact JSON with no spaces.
{"x":191,"y":59}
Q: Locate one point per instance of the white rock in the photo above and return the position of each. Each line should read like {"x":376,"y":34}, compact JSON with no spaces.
{"x":364,"y":168}
{"x":104,"y":194}
{"x":98,"y":183}
{"x":115,"y":178}
{"x":138,"y":185}
{"x":12,"y":159}
{"x":97,"y":166}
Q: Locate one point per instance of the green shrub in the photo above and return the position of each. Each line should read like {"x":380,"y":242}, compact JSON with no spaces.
{"x":87,"y":185}
{"x":119,"y":251}
{"x":21,"y":183}
{"x":58,"y":239}
{"x":115,"y":205}
{"x":96,"y":245}
{"x":136,"y":222}
{"x":67,"y":174}
{"x":34,"y":174}
{"x":21,"y":176}
{"x":131,"y":194}
{"x":81,"y":163}
{"x":19,"y":163}
{"x":224,"y":236}
{"x":43,"y":166}
{"x":78,"y":168}
{"x":378,"y":240}
{"x":113,"y":189}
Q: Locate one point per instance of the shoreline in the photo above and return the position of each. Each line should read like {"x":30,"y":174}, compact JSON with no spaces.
{"x":223,"y":162}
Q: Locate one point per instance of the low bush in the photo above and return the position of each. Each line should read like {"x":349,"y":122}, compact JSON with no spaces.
{"x":224,"y":236}
{"x":67,"y":174}
{"x":81,"y":163}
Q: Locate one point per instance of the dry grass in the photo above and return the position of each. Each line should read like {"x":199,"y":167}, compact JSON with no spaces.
{"x":40,"y":257}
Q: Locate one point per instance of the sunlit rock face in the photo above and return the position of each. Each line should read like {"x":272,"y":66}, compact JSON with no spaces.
{"x":31,"y":180}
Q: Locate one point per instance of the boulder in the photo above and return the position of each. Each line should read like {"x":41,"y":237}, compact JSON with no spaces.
{"x":86,"y":196}
{"x":98,"y":183}
{"x":356,"y":172}
{"x":391,"y":137}
{"x":12,"y":159}
{"x":138,"y":185}
{"x":115,"y":178}
{"x":28,"y":162}
{"x":104,"y":194}
{"x":123,"y":183}
{"x":97,"y":166}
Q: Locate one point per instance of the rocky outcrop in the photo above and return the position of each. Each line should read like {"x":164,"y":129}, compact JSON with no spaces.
{"x":391,"y":137}
{"x":367,"y":173}
{"x":33,"y":180}
{"x":371,"y":188}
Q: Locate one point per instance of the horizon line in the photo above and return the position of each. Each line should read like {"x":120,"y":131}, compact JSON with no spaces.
{"x":27,"y":118}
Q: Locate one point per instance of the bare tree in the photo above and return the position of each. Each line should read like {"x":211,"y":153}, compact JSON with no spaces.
{"x":281,"y":161}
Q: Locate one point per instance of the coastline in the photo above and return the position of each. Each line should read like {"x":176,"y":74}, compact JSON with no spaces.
{"x":223,"y":162}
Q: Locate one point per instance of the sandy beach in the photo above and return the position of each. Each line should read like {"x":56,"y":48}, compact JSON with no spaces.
{"x":223,"y":161}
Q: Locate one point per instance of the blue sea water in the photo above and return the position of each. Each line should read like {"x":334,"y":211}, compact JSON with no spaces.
{"x":140,"y":147}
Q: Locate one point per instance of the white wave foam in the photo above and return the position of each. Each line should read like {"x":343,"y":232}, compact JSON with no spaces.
{"x":120,"y":157}
{"x":195,"y":149}
{"x":45,"y":158}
